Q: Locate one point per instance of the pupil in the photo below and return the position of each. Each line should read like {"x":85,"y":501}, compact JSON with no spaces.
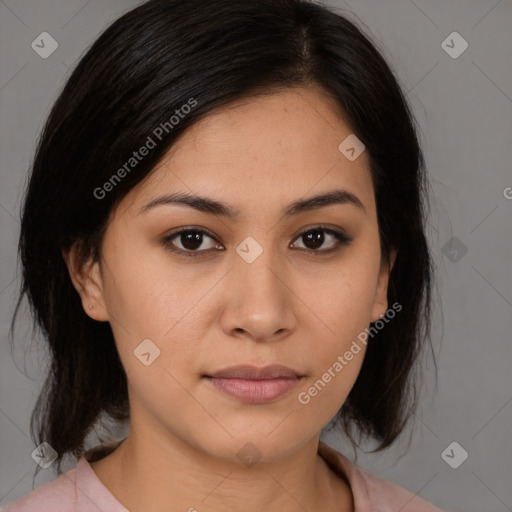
{"x":317,"y":240}
{"x":192,"y":240}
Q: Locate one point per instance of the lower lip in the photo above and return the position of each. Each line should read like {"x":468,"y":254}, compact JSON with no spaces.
{"x":254,"y":391}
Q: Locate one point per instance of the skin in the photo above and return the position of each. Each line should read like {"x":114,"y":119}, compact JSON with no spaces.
{"x":290,"y":306}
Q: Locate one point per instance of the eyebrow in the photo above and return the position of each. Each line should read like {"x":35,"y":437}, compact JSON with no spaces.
{"x":218,"y":208}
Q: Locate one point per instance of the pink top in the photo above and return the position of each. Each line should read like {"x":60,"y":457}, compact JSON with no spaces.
{"x":80,"y":490}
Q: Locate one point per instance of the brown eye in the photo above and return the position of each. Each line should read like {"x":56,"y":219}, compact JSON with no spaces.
{"x":190,"y":239}
{"x":316,"y":237}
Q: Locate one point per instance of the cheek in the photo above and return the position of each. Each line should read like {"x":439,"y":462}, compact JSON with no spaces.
{"x":146,"y":294}
{"x":157,"y":311}
{"x":342,"y":301}
{"x":337,"y":364}
{"x":162,"y":394}
{"x":342,"y":308}
{"x":161,"y":322}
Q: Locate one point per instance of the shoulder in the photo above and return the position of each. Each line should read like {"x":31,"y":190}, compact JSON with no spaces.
{"x":78,"y":490}
{"x":58,"y":496}
{"x":371,"y":493}
{"x":393,"y":496}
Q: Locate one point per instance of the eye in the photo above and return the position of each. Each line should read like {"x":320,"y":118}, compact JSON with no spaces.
{"x":315,"y":238}
{"x":192,"y":240}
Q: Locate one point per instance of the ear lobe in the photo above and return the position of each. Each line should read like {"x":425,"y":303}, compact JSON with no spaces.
{"x":380,"y":305}
{"x":88,"y":282}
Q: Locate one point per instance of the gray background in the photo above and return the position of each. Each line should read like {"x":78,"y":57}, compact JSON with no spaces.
{"x":464,"y":108}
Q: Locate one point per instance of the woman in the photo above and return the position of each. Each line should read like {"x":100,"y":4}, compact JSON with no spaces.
{"x":223,"y":241}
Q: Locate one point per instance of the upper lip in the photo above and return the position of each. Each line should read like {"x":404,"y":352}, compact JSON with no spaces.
{"x":254,"y":373}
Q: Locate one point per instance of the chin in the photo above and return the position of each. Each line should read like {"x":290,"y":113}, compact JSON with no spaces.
{"x":255,"y":444}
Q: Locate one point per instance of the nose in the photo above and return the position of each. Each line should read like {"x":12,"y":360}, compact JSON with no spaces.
{"x":259,"y":304}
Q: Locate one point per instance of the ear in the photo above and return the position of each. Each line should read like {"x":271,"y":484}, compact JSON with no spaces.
{"x":380,"y":304}
{"x":88,"y":282}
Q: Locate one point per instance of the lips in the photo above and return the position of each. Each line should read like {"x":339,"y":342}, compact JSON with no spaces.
{"x":254,"y":385}
{"x":248,"y":372}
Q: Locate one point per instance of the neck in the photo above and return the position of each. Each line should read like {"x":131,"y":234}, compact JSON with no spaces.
{"x":151,"y":475}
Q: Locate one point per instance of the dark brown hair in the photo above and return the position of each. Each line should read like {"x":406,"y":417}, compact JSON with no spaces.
{"x":145,"y":66}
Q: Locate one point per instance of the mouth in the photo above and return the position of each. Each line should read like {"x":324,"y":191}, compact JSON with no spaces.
{"x":254,"y":385}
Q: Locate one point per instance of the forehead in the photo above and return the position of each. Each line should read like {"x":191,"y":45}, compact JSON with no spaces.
{"x":262,"y":151}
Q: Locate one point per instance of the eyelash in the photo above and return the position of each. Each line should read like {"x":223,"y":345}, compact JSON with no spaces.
{"x":341,"y":238}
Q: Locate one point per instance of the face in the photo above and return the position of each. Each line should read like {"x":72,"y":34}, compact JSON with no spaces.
{"x":266,"y":286}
